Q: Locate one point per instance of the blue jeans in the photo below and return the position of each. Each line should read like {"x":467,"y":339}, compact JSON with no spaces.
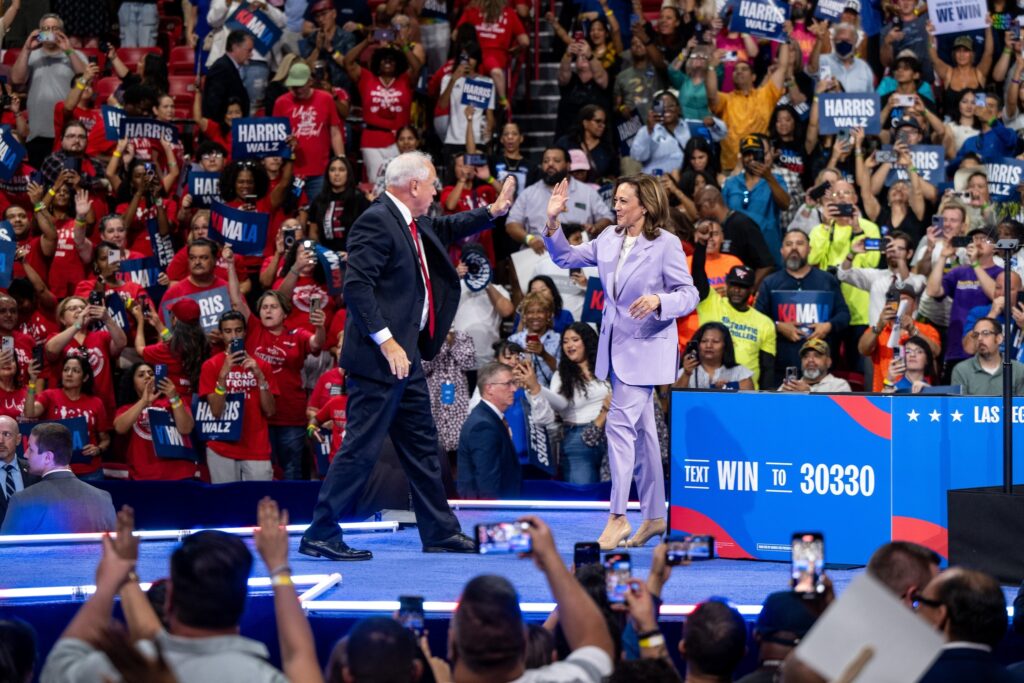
{"x":581,"y":464}
{"x":287,"y":446}
{"x":139,"y":23}
{"x":314,"y":184}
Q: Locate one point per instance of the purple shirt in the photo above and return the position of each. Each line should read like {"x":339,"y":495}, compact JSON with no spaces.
{"x":962,"y":284}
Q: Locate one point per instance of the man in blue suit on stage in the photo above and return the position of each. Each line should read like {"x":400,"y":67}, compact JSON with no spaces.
{"x":402,"y":292}
{"x":488,"y":466}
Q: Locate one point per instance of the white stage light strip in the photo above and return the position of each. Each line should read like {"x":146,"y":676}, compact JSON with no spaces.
{"x":536,"y":505}
{"x":387,"y":606}
{"x":179,"y":534}
{"x":79,"y":592}
{"x":320,"y":588}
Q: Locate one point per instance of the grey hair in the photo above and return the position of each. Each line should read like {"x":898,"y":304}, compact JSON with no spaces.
{"x":106,"y":219}
{"x":406,"y":168}
{"x":488,"y":372}
{"x":839,"y":28}
{"x":51,"y":15}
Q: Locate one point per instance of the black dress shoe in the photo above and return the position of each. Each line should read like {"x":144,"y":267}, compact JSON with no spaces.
{"x":333,"y":550}
{"x":459,"y":543}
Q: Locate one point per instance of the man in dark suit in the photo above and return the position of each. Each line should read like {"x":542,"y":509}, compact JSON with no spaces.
{"x":488,"y":466}
{"x":224,"y":78}
{"x":59,"y":503}
{"x":14,"y":474}
{"x":969,"y":608}
{"x":402,"y":292}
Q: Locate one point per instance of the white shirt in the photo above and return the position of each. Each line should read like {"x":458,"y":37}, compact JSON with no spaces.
{"x":476,"y":317}
{"x":383,"y":335}
{"x":877,"y":283}
{"x":628,"y":243}
{"x":501,"y":415}
{"x":582,"y":409}
{"x":456,"y":132}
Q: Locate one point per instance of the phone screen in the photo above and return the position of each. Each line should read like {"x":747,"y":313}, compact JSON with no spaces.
{"x":503,"y":538}
{"x":872,"y":244}
{"x":410,"y":613}
{"x":585,"y":553}
{"x":808,"y":563}
{"x":617,"y":573}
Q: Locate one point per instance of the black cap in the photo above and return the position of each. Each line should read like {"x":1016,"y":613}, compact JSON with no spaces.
{"x":985,"y":230}
{"x":740,"y":275}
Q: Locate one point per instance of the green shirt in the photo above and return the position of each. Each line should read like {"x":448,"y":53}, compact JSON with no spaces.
{"x":977,"y":382}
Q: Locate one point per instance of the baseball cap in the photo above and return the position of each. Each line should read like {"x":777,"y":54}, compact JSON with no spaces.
{"x":740,"y":275}
{"x":907,"y":121}
{"x":186,"y":310}
{"x":819,"y":345}
{"x":964,"y":42}
{"x":751,"y":143}
{"x":784,"y":611}
{"x":298,"y":75}
{"x":985,"y":230}
{"x":909,"y":56}
{"x":578,"y":160}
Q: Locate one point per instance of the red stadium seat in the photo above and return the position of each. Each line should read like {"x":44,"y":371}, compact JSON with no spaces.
{"x":183,"y":61}
{"x":181,"y":86}
{"x":104,"y":88}
{"x":11,"y":55}
{"x":170,"y":31}
{"x":131,"y":56}
{"x":182,"y":113}
{"x":91,"y":52}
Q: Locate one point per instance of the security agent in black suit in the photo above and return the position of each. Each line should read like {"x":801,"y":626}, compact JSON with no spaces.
{"x":394,"y":321}
{"x":14,"y":472}
{"x":488,"y":466}
{"x":224,"y":79}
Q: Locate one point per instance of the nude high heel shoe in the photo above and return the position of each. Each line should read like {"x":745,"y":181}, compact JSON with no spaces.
{"x":648,"y":530}
{"x":615,"y":532}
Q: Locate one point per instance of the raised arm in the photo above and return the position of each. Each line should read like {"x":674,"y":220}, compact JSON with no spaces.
{"x":234,"y":291}
{"x":562,"y":253}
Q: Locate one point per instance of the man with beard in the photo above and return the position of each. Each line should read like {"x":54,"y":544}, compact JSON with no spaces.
{"x":14,"y":474}
{"x":74,"y":139}
{"x":80,"y":104}
{"x":982,"y":374}
{"x":528,"y":216}
{"x":805,"y":303}
{"x":202,"y":260}
{"x":815,"y":378}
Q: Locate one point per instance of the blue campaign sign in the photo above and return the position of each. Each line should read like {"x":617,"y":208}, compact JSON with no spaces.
{"x":143,"y":272}
{"x":163,"y":246}
{"x":204,"y":188}
{"x":761,"y":18}
{"x":7,"y":251}
{"x":168,"y":442}
{"x":752,"y":486}
{"x":213,"y":303}
{"x":258,"y":137}
{"x":929,"y":160}
{"x":477,"y":93}
{"x":117,"y":310}
{"x":843,"y":111}
{"x":593,"y":301}
{"x":257,"y":24}
{"x":333,"y":271}
{"x":79,"y":428}
{"x":1004,"y":177}
{"x":228,"y":427}
{"x":7,"y":232}
{"x":829,"y":10}
{"x":112,"y":117}
{"x":245,"y":231}
{"x":11,"y":153}
{"x":147,"y":128}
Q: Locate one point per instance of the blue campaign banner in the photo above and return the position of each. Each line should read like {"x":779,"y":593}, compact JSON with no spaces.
{"x":929,"y":160}
{"x":870,"y":13}
{"x":228,"y":427}
{"x":7,"y":251}
{"x":163,"y":246}
{"x":477,"y":93}
{"x":11,"y":153}
{"x":334,"y":272}
{"x":117,"y":310}
{"x":112,"y":117}
{"x":7,"y":232}
{"x":213,"y":303}
{"x":79,"y":428}
{"x":593,"y":301}
{"x":204,"y":188}
{"x":168,"y":442}
{"x":245,"y":231}
{"x":1004,"y":177}
{"x":257,"y":24}
{"x":258,"y":137}
{"x":761,"y":18}
{"x":143,"y":272}
{"x":830,"y":10}
{"x":132,"y":127}
{"x":752,"y":487}
{"x":843,"y":111}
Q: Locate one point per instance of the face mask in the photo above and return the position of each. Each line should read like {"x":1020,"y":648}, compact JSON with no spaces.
{"x":843,"y":48}
{"x":553,"y":178}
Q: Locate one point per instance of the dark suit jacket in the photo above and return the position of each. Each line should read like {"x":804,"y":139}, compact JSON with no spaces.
{"x":223,"y":81}
{"x":959,"y":665}
{"x":488,"y":466}
{"x":59,"y":503}
{"x":384,"y":288}
{"x":27,"y":479}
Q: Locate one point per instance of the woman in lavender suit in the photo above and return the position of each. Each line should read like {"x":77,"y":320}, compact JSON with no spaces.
{"x":647,"y":286}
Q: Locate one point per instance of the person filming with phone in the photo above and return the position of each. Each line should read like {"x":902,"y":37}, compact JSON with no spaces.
{"x":814,"y":376}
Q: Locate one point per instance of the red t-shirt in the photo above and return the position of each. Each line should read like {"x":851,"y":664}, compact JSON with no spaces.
{"x":177,"y":269}
{"x":384,"y":107}
{"x":12,"y":403}
{"x":336,"y":410}
{"x":66,"y":267}
{"x":215,"y":133}
{"x":327,"y":387}
{"x":336,"y":328}
{"x":311,"y":121}
{"x":285,"y":354}
{"x":255,"y":441}
{"x":138,"y":234}
{"x":159,"y":353}
{"x":33,"y":257}
{"x":57,"y":406}
{"x":495,"y":38}
{"x":185,"y":287}
{"x":96,"y":348}
{"x":143,"y":462}
{"x":96,"y":144}
{"x":39,"y":327}
{"x":305,"y":287}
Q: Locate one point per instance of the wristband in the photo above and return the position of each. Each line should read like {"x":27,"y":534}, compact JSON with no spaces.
{"x":117,"y":154}
{"x":311,"y":429}
{"x":175,"y":401}
{"x":264,"y":386}
{"x":281,"y":580}
{"x":654,"y":641}
{"x":78,"y":84}
{"x":609,"y":13}
{"x":165,"y":334}
{"x":133,"y":577}
{"x":975,"y":265}
{"x":529,"y":238}
{"x":219,"y":390}
{"x":51,"y":192}
{"x":31,"y":386}
{"x":294,"y":272}
{"x":39,"y":207}
{"x":68,"y":52}
{"x":337,"y":55}
{"x":887,"y":383}
{"x":78,"y":324}
{"x":491,"y":180}
{"x":283,"y":569}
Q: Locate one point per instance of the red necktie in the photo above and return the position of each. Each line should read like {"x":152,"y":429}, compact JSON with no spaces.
{"x":426,"y":278}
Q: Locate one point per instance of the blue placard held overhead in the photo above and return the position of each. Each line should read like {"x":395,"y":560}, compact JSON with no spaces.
{"x":829,"y":10}
{"x":477,"y":93}
{"x":761,"y":18}
{"x":143,"y":272}
{"x":257,"y":24}
{"x":929,"y":160}
{"x":150,"y":129}
{"x":163,"y":246}
{"x":255,"y":138}
{"x":112,"y":117}
{"x":228,"y":427}
{"x":843,"y":111}
{"x":245,"y":231}
{"x":204,"y":188}
{"x":333,"y":271}
{"x":11,"y":153}
{"x":168,"y":442}
{"x":1004,"y":178}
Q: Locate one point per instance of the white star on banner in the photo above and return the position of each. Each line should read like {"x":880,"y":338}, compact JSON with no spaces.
{"x":935,"y":415}
{"x":913,"y":415}
{"x":956,"y":414}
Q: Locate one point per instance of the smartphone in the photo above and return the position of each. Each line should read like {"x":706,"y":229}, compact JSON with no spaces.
{"x":236,"y":345}
{"x":504,"y":538}
{"x":980,"y":99}
{"x":309,"y":245}
{"x":701,"y":548}
{"x":159,"y":374}
{"x":659,"y":107}
{"x":844,"y":209}
{"x":1015,"y":30}
{"x":72,"y":164}
{"x":843,"y":136}
{"x":410,"y":613}
{"x":289,"y":236}
{"x":113,"y":256}
{"x":7,"y":344}
{"x":384,"y":35}
{"x":250,"y":198}
{"x":872,"y":244}
{"x":904,"y":100}
{"x":104,"y":47}
{"x":578,"y":36}
{"x":533,"y":339}
{"x":886,"y":156}
{"x":95,"y":298}
{"x":963,"y":196}
{"x":93,"y":59}
{"x":897,"y":353}
{"x":817,"y":192}
{"x":475,"y":160}
{"x":939,"y":223}
{"x":808,"y":564}
{"x":791,"y":374}
{"x":314,"y":303}
{"x":960,"y":241}
{"x":38,"y":350}
{"x":824,"y":72}
{"x":586,"y":552}
{"x":902,"y":136}
{"x":687,"y":548}
{"x":618,"y":570}
{"x":658,"y":173}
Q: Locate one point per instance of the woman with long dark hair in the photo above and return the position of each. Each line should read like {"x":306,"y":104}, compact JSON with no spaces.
{"x":789,"y":140}
{"x":710,"y":361}
{"x":592,"y":133}
{"x":183,"y":347}
{"x":337,"y":206}
{"x":577,"y":396}
{"x":915,"y":371}
{"x":12,"y":393}
{"x":699,"y":155}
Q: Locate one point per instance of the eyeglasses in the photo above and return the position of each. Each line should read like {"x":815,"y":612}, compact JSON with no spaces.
{"x":983,"y":333}
{"x":916,"y":600}
{"x":507,"y":383}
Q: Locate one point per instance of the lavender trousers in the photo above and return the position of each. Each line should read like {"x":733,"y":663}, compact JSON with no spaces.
{"x":633,"y":451}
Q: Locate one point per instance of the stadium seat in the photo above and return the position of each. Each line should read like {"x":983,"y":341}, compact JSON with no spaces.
{"x":182,"y":61}
{"x":104,"y":87}
{"x":170,"y":32}
{"x":131,"y":56}
{"x":11,"y":55}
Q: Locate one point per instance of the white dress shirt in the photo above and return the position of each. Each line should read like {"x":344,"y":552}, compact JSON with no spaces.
{"x":383,"y":335}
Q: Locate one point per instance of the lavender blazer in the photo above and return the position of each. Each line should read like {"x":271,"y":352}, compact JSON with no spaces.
{"x":642,"y":352}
